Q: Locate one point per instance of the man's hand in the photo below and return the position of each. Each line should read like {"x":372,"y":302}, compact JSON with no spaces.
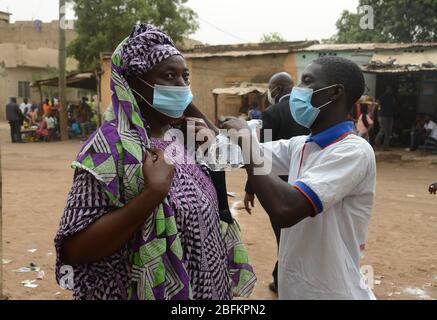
{"x":433,"y":188}
{"x":237,"y":124}
{"x":249,"y":198}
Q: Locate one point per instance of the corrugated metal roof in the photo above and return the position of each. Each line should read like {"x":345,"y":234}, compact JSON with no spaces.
{"x":81,"y":80}
{"x":384,"y":62}
{"x":243,"y":89}
{"x":366,"y":46}
{"x":235,"y":53}
{"x":243,"y":50}
{"x":395,"y":69}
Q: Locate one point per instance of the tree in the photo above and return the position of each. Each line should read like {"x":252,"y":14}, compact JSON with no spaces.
{"x":394,"y":21}
{"x":272,"y":37}
{"x":102,"y":24}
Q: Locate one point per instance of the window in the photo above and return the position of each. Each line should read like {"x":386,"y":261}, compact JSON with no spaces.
{"x":23,"y":89}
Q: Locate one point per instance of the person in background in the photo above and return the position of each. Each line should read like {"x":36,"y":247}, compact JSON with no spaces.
{"x":254,"y":113}
{"x":417,"y":133}
{"x":72,"y":115}
{"x":325,"y":208}
{"x":15,"y":119}
{"x":46,"y":108}
{"x":42,"y":132}
{"x":365,"y":122}
{"x":386,"y":118}
{"x":431,"y":133}
{"x":153,"y":229}
{"x":32,"y":116}
{"x":25,"y":107}
{"x":279,"y":120}
{"x":52,"y":123}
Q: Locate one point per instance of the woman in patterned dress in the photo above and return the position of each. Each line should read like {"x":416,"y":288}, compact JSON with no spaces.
{"x":135,"y":226}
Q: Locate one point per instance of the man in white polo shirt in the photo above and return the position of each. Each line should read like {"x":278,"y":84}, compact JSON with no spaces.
{"x":324,"y":209}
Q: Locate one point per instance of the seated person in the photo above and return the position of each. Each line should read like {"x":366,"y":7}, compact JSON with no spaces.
{"x":42,"y":132}
{"x":74,"y":129}
{"x":365,"y":122}
{"x":32,"y":116}
{"x":417,"y":133}
{"x":255,"y":113}
{"x":431,"y":133}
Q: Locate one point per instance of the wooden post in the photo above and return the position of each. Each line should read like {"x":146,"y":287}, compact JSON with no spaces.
{"x":63,"y":121}
{"x":242,"y":103}
{"x":216,"y":109}
{"x":98,"y":74}
{"x":1,"y":233}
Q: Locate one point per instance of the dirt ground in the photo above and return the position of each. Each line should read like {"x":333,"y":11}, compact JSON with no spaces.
{"x":401,"y":247}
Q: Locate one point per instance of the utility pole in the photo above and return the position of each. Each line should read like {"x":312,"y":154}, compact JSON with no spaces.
{"x":62,"y":76}
{"x":1,"y":232}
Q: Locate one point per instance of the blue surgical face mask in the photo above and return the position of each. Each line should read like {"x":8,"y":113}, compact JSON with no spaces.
{"x":301,"y":108}
{"x":169,"y":100}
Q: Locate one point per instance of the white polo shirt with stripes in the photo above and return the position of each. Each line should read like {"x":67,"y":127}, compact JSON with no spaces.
{"x":319,"y":258}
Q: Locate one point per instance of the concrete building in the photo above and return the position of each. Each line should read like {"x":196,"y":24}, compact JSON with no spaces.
{"x":29,"y":52}
{"x":409,"y":68}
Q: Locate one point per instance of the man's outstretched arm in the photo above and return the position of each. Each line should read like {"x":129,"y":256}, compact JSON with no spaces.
{"x":285,"y":204}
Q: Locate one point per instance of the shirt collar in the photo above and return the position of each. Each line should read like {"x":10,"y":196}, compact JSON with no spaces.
{"x":283,"y":97}
{"x":332,"y":134}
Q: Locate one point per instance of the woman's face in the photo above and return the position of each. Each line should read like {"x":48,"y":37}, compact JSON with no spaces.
{"x":170,"y":72}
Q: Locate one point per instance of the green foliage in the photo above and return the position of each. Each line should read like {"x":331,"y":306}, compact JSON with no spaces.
{"x":102,"y":24}
{"x":272,"y":37}
{"x":394,"y":21}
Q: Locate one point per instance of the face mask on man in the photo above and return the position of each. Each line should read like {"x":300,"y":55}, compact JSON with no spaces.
{"x":270,"y":98}
{"x":171,"y":101}
{"x":301,"y":108}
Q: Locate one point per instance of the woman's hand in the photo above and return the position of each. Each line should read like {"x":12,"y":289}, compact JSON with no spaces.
{"x":158,"y":173}
{"x":198,"y":123}
{"x":193,"y":111}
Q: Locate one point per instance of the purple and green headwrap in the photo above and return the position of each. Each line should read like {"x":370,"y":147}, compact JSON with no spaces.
{"x":146,"y":47}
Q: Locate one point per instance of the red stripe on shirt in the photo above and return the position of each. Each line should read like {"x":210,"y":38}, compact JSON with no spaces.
{"x":310,"y":200}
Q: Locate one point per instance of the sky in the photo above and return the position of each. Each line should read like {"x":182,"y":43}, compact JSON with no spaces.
{"x":229,"y":21}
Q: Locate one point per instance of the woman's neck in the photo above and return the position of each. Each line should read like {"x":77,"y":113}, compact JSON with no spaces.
{"x":158,"y":128}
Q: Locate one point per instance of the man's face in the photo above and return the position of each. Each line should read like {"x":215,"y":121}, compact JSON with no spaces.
{"x":314,"y":78}
{"x":170,"y":72}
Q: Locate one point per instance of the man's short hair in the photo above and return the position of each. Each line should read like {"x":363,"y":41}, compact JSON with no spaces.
{"x":345,"y":72}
